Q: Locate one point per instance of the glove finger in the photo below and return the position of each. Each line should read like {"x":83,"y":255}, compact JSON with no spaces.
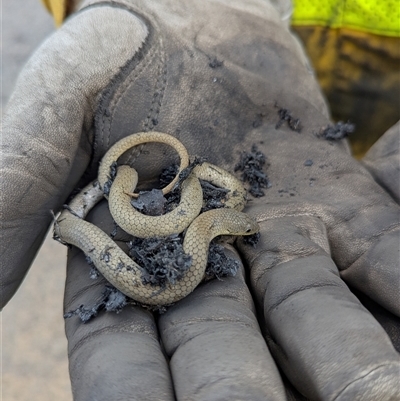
{"x":383,"y":161}
{"x":387,"y":320}
{"x":215,"y":346}
{"x":113,"y":356}
{"x":313,"y":323}
{"x":47,"y":127}
{"x":314,"y":177}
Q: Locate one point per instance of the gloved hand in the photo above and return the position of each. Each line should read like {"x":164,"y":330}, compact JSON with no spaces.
{"x":214,"y":74}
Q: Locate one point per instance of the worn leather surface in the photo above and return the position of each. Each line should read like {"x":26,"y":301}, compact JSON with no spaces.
{"x":214,"y":74}
{"x":47,"y":128}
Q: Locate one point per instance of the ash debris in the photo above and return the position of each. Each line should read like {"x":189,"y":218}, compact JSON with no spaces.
{"x":111,"y":300}
{"x":285,"y":116}
{"x":336,"y":131}
{"x":162,"y":260}
{"x":251,"y":165}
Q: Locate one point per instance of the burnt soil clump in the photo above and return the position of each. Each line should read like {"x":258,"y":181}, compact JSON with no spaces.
{"x":251,"y":166}
{"x":337,"y":131}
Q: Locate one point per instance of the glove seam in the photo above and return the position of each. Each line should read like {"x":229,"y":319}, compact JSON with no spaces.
{"x":155,"y":52}
{"x":152,"y":53}
{"x":156,"y":103}
{"x":102,"y":110}
{"x":140,"y":55}
{"x":155,"y":49}
{"x":141,"y":59}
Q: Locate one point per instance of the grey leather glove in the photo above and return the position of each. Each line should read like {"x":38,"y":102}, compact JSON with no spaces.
{"x":383,"y":161}
{"x":214,"y":74}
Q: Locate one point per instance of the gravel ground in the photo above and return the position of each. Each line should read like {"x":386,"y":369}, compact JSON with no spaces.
{"x":34,"y":348}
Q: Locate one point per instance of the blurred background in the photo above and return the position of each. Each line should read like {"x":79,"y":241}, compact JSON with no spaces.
{"x":34,"y":348}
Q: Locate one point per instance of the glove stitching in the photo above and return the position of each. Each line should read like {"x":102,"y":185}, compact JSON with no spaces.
{"x":161,"y":83}
{"x":123,"y":88}
{"x":155,"y":49}
{"x":106,"y":107}
{"x":151,"y":120}
{"x":152,"y":54}
{"x":155,"y":107}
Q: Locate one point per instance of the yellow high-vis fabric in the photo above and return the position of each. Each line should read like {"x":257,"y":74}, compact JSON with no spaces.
{"x":359,"y":75}
{"x":354,"y":47}
{"x":58,"y":8}
{"x":381,"y":17}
